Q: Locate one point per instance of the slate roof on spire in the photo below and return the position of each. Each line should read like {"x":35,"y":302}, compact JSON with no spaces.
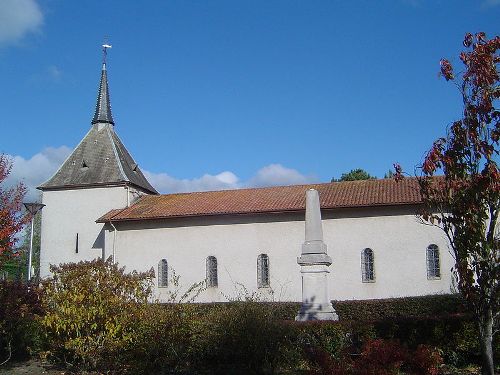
{"x":103,"y":106}
{"x":100,"y":159}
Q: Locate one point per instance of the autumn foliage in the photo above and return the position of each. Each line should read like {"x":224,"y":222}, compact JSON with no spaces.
{"x":92,"y":312}
{"x":11,"y":218}
{"x":20,"y":308}
{"x":464,"y":198}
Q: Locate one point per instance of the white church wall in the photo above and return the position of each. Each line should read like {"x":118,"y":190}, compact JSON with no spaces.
{"x":71,"y":212}
{"x":398,"y":240}
{"x":399,"y":244}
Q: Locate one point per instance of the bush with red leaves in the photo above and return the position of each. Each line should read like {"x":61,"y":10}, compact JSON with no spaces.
{"x":19,"y":330}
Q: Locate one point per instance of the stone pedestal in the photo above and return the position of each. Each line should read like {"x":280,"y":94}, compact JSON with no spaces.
{"x":316,"y":304}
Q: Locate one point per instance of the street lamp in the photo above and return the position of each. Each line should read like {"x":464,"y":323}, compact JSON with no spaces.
{"x":32,"y":208}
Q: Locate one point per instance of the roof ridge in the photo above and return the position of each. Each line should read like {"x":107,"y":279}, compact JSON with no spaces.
{"x":117,"y":158}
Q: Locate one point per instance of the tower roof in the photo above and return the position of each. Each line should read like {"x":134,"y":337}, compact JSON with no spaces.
{"x":103,"y":105}
{"x":100,"y":159}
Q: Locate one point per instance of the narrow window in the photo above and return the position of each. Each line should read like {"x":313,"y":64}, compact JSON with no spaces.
{"x":433,"y":269}
{"x":212,"y":281}
{"x":367,"y":266}
{"x":76,"y":247}
{"x":163,"y":273}
{"x":263,"y":271}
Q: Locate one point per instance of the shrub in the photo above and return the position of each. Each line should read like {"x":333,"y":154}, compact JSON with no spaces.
{"x":385,"y":357}
{"x":317,"y":336}
{"x":322,"y":363}
{"x":92,"y":311}
{"x":455,"y":335}
{"x":324,"y":345}
{"x":413,"y":345}
{"x":19,"y":330}
{"x":425,"y":361}
{"x":245,"y":336}
{"x":381,"y":357}
{"x":422,"y":306}
{"x":163,"y":339}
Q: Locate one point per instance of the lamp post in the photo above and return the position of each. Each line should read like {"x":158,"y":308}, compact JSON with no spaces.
{"x":32,"y":208}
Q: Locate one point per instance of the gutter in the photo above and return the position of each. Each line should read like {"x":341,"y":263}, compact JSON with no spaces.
{"x":114,"y":240}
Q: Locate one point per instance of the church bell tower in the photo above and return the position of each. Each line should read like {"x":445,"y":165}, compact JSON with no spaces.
{"x":98,"y":176}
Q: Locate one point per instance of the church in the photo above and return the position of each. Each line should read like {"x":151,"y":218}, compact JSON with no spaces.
{"x":236,"y":243}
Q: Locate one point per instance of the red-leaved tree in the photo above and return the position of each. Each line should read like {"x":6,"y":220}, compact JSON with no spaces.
{"x":465,"y":200}
{"x":11,"y":218}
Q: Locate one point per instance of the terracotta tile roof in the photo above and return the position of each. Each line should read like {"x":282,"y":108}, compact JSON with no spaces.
{"x":383,"y":192}
{"x":109,"y":215}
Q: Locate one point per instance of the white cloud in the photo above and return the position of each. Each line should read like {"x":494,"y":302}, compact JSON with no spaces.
{"x":165,"y":183}
{"x":270,"y":175}
{"x":18,"y":18}
{"x":36,"y":170}
{"x":276,"y":174}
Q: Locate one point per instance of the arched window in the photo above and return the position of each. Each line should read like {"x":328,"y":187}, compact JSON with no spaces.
{"x":163,"y":273}
{"x":433,"y":269}
{"x":263,"y":271}
{"x":212,"y":281}
{"x":367,"y":266}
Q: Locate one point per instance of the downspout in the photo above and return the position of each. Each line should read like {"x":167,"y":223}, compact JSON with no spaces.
{"x":128,"y":195}
{"x":114,"y":240}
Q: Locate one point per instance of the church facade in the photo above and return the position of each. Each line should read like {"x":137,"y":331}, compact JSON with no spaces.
{"x":236,"y":243}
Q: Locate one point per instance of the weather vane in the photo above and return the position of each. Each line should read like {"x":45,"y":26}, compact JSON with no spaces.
{"x":105,"y":47}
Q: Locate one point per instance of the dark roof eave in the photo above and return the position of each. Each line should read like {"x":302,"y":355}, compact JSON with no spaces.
{"x":247,"y":213}
{"x":94,"y":185}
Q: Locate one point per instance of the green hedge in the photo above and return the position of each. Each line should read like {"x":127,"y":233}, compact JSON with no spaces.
{"x":433,"y":321}
{"x":376,"y":309}
{"x":367,"y":310}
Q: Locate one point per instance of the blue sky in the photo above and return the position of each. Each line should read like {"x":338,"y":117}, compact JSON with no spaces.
{"x":223,"y":94}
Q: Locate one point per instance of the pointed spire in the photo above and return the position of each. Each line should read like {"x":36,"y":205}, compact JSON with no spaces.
{"x":103,"y":106}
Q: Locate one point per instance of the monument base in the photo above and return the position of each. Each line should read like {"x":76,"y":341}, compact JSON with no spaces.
{"x":315,"y":311}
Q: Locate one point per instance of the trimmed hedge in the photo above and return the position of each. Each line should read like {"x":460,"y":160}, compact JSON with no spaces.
{"x":376,"y":309}
{"x":367,"y":310}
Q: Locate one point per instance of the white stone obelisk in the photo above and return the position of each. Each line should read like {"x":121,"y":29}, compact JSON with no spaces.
{"x":314,"y":263}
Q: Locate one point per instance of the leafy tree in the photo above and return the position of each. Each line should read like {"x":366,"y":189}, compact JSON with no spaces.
{"x":389,"y":174}
{"x":465,"y":201}
{"x":11,"y":218}
{"x":354,"y":175}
